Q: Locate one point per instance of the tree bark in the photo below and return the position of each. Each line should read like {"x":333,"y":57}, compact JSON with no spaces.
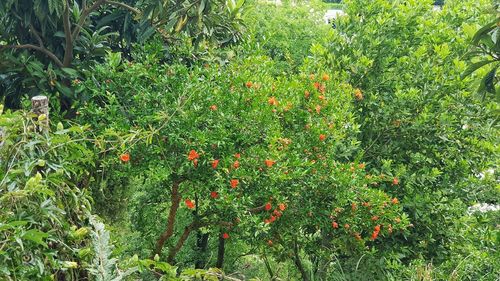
{"x":174,"y":250}
{"x":169,"y":231}
{"x":201,"y":248}
{"x":220,"y":252}
{"x":298,"y":262}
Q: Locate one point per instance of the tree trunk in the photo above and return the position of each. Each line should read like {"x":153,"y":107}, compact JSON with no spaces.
{"x":220,"y":252}
{"x":169,"y":231}
{"x":201,"y":249}
{"x":298,"y":262}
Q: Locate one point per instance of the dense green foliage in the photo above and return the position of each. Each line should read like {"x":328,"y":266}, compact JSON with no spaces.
{"x":302,"y":152}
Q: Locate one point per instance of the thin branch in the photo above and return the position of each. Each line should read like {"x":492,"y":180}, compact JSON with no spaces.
{"x":85,"y":13}
{"x":38,"y":48}
{"x":68,"y":49}
{"x":125,"y":6}
{"x":37,"y":36}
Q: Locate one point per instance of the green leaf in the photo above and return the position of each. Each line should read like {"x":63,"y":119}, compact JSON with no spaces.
{"x":473,"y":67}
{"x":36,"y":236}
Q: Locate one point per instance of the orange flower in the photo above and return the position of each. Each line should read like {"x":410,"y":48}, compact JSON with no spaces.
{"x":318,"y":108}
{"x":189,"y":203}
{"x":395,"y":201}
{"x":213,"y":107}
{"x":237,"y":155}
{"x":347,"y":226}
{"x":321,"y":97}
{"x":277,"y":213}
{"x":307,"y":94}
{"x":268,"y":206}
{"x":374,"y":235}
{"x":249,"y":84}
{"x":272,"y":218}
{"x":215,"y":163}
{"x":325,"y":77}
{"x":377,"y":227}
{"x":269,"y":163}
{"x":282,"y":206}
{"x":267,"y":221}
{"x":322,"y":137}
{"x":361,"y":166}
{"x":358,"y":95}
{"x":125,"y":157}
{"x":193,"y":155}
{"x":395,"y":181}
{"x":272,"y":101}
{"x":316,"y":85}
{"x":354,"y":206}
{"x":225,"y":236}
{"x":195,"y":163}
{"x":214,"y":194}
{"x":234,"y":183}
{"x":335,"y":225}
{"x":236,"y":164}
{"x":270,"y":243}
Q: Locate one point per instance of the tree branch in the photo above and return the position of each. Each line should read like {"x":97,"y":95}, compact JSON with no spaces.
{"x":169,"y":231}
{"x":37,"y":48}
{"x":85,"y":13}
{"x":125,"y":6}
{"x":37,"y":36}
{"x":68,"y":49}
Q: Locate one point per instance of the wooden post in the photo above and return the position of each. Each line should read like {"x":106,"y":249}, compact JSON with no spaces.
{"x":40,"y":106}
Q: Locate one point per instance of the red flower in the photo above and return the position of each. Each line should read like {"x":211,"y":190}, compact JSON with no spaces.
{"x":322,"y":137}
{"x":277,"y":213}
{"x":195,"y":163}
{"x":282,"y":206}
{"x":225,"y":236}
{"x":316,"y":85}
{"x":193,"y":155}
{"x":325,"y":77}
{"x":395,"y":201}
{"x":215,"y":163}
{"x":125,"y":157}
{"x":374,"y":235}
{"x":272,"y":101}
{"x":335,"y":225}
{"x":189,"y":203}
{"x":321,"y":97}
{"x":237,"y":155}
{"x":272,"y":218}
{"x":234,"y":183}
{"x":377,"y":227}
{"x":269,"y":163}
{"x":395,"y":181}
{"x":236,"y":164}
{"x":213,"y":107}
{"x":268,"y":206}
{"x":214,"y":194}
{"x":249,"y":84}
